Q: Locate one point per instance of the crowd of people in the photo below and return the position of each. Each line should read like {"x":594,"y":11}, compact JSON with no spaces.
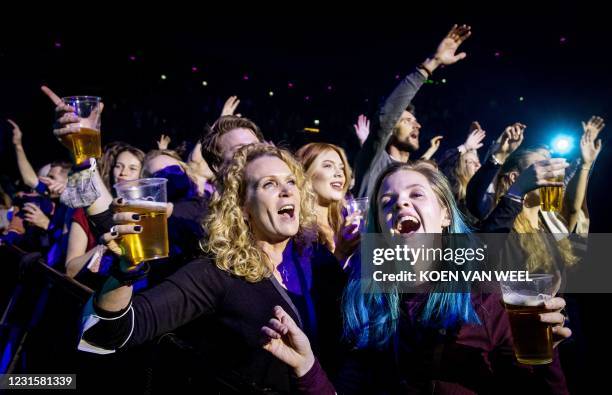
{"x":263,"y":274}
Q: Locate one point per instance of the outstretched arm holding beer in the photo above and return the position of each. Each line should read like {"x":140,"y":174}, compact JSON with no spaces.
{"x":67,"y":122}
{"x":116,"y":296}
{"x":590,"y":147}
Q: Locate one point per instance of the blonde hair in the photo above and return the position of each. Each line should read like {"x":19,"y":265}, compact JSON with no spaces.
{"x":307,"y":155}
{"x":172,"y":154}
{"x":230,"y":240}
{"x":462,"y":178}
{"x":533,"y":243}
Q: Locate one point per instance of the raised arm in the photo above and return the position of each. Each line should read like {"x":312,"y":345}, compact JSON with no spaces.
{"x":402,"y":96}
{"x":479,"y":200}
{"x":29,"y":176}
{"x":434,"y":144}
{"x":65,"y":121}
{"x":577,"y":187}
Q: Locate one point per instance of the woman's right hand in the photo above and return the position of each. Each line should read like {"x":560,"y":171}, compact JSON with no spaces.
{"x":348,"y":238}
{"x":509,"y":141}
{"x":66,"y":119}
{"x":124,"y":225}
{"x":540,"y":174}
{"x":287,"y":342}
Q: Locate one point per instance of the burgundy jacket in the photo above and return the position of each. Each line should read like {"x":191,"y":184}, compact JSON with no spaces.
{"x":472,"y":359}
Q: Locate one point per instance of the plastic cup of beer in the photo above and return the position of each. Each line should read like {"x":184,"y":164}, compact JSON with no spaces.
{"x":524,"y":302}
{"x":85,"y":141}
{"x":146,"y":197}
{"x":358,"y":205}
{"x":551,"y":198}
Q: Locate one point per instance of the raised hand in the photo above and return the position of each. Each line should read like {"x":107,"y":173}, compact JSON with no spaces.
{"x":163,"y":142}
{"x":593,"y":126}
{"x":66,"y":119}
{"x":509,"y":141}
{"x":434,"y":144}
{"x":17,"y":134}
{"x":362,"y":128}
{"x":230,"y":106}
{"x":589,"y":148}
{"x":475,"y":137}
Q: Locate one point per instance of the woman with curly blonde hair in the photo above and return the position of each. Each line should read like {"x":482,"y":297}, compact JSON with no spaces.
{"x":260,"y":253}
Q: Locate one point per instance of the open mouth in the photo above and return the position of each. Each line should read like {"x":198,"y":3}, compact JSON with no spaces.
{"x":407,"y":224}
{"x":414,"y":136}
{"x":337,"y":185}
{"x":287,"y":211}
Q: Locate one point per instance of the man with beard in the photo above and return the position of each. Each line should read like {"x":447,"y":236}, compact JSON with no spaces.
{"x":398,"y":131}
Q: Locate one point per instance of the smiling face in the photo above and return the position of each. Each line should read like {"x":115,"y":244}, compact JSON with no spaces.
{"x":127,"y":167}
{"x":272,"y":202}
{"x":406,"y":132}
{"x":327,"y":173}
{"x":407,"y":205}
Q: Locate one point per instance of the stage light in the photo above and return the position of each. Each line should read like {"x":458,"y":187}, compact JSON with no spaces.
{"x":444,"y":80}
{"x":562,"y":144}
{"x":270,"y":93}
{"x":163,"y":76}
{"x":316,"y":122}
{"x":521,"y":98}
{"x":204,"y":83}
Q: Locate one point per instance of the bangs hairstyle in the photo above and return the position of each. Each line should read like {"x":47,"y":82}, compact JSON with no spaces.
{"x":109,"y":160}
{"x":230,"y":239}
{"x":307,"y":155}
{"x":371,"y":317}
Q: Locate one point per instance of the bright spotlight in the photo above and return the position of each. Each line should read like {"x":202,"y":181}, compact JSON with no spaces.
{"x":562,"y":144}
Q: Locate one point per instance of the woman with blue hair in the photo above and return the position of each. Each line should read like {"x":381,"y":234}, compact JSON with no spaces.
{"x":441,"y":341}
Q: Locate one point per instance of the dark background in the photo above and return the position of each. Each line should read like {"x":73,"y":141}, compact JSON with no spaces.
{"x":556,"y":59}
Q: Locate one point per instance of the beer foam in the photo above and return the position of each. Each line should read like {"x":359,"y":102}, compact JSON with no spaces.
{"x":147,"y":204}
{"x":517,"y":299}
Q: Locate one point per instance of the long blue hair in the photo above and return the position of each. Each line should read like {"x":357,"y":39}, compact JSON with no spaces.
{"x":370,"y":316}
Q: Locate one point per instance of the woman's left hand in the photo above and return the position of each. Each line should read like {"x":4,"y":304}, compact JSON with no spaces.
{"x":557,"y":319}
